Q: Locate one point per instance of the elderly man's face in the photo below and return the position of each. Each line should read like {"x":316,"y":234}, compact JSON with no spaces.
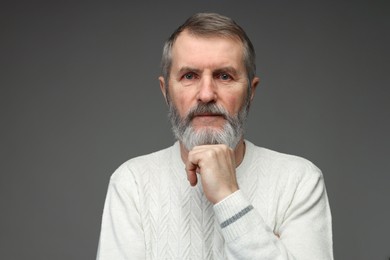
{"x":208,"y":88}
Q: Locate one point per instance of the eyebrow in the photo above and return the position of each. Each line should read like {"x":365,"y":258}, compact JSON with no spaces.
{"x":227,"y":69}
{"x":187,"y":69}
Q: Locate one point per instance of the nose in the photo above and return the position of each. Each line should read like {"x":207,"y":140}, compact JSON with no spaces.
{"x":207,"y":91}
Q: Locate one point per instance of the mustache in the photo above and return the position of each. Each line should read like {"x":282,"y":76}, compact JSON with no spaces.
{"x":207,"y":108}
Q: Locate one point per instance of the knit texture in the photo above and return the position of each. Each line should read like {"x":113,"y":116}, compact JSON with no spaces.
{"x":151,"y":211}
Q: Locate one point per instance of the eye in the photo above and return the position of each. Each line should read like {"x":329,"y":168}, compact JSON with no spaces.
{"x":189,"y":76}
{"x":224,"y":76}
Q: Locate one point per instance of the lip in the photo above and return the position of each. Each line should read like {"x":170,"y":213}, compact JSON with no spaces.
{"x":208,"y":115}
{"x":208,"y":119}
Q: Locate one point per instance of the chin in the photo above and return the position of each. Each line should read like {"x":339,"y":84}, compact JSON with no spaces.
{"x":208,"y":129}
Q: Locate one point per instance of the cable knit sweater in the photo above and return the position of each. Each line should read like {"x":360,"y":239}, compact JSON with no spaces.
{"x":280,"y":212}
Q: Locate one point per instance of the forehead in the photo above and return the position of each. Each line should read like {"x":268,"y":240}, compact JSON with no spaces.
{"x":207,"y":51}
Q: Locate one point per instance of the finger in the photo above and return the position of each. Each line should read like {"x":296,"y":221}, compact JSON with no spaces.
{"x":191,"y":173}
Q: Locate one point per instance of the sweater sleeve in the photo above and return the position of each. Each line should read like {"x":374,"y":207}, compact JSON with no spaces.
{"x":121,"y":234}
{"x":305,"y":232}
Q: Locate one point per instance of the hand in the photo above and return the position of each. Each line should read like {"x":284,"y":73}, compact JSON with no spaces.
{"x":217,"y":167}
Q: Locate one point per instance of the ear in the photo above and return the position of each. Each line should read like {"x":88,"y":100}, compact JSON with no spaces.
{"x":163,"y":87}
{"x":254,"y":83}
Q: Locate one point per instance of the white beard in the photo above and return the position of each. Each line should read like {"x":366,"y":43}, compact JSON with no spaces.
{"x":230,"y":135}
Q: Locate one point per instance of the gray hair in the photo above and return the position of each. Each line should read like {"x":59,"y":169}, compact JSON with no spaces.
{"x":211,"y":24}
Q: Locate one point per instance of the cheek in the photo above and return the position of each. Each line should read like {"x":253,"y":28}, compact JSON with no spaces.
{"x":234,"y":102}
{"x":182,"y":101}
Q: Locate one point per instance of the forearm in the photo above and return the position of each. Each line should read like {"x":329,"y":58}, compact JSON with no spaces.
{"x":247,"y":236}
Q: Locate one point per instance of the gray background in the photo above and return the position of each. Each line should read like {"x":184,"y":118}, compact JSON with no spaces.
{"x":79,"y":96}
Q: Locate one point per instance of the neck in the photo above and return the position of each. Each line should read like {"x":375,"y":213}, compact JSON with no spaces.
{"x":239,"y":152}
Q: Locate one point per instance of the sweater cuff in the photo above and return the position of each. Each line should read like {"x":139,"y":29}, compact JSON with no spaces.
{"x":233,"y":215}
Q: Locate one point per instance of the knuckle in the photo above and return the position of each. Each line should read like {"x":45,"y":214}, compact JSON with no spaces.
{"x":211,"y":153}
{"x":226,"y":149}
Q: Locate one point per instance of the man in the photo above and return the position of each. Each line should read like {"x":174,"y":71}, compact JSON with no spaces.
{"x":213,"y":194}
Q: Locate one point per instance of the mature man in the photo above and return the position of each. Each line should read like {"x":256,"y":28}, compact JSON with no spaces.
{"x":213,"y":194}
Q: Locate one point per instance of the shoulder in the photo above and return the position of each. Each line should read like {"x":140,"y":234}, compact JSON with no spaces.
{"x":283,"y":165}
{"x":143,"y":164}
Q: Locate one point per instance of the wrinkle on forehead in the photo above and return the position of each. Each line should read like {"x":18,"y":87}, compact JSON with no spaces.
{"x":207,"y":52}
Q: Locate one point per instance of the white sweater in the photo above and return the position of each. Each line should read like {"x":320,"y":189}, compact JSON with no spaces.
{"x":280,"y":212}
